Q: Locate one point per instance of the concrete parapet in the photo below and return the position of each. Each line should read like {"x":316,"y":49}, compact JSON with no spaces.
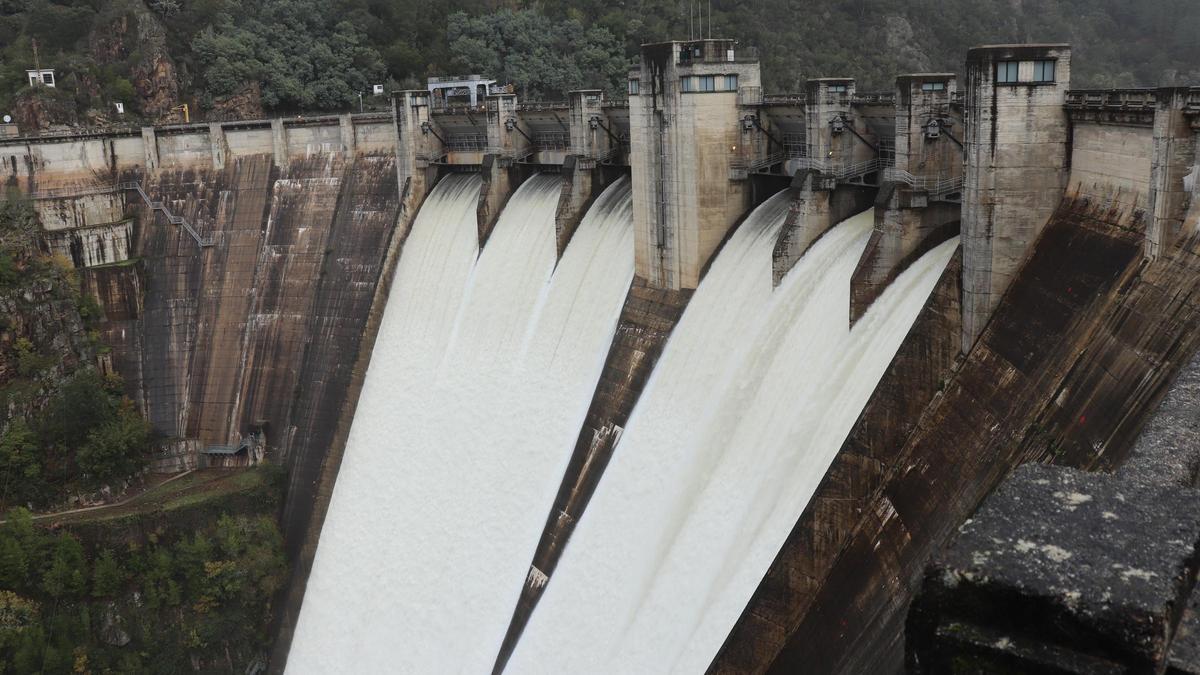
{"x":279,"y":142}
{"x":346,"y":125}
{"x":1016,"y":161}
{"x":150,"y":148}
{"x":218,"y":145}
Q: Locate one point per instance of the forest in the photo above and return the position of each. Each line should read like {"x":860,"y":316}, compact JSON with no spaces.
{"x":299,"y":55}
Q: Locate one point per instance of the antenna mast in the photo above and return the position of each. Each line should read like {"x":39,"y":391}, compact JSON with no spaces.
{"x":36,"y":61}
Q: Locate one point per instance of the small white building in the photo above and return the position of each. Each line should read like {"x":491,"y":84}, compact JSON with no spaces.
{"x":44,"y":76}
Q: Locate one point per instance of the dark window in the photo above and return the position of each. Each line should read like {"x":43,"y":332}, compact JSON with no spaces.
{"x":1007,"y":72}
{"x":634,"y":85}
{"x":731,"y":83}
{"x":708,"y":83}
{"x":933,"y":86}
{"x":687,"y":83}
{"x":1043,"y":71}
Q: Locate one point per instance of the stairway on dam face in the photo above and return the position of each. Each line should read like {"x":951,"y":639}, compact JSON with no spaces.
{"x":227,"y":335}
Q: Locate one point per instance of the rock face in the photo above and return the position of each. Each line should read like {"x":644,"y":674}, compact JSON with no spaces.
{"x":153,"y":77}
{"x":1060,"y":570}
{"x":245,"y":104}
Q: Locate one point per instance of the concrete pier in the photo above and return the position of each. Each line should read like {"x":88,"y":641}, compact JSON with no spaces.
{"x":1016,"y":167}
{"x":684,"y":128}
{"x":918,"y":203}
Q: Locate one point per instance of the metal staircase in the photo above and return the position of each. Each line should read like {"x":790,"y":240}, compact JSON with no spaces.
{"x":204,"y":242}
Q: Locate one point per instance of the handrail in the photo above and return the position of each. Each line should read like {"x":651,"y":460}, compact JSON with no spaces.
{"x":879,"y":97}
{"x":784,"y":99}
{"x":750,"y":167}
{"x":937,"y":186}
{"x":1124,"y":99}
{"x":173,"y":219}
{"x":839,"y":171}
{"x":68,"y":192}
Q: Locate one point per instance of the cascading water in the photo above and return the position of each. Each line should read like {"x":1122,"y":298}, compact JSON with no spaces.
{"x":753,"y":396}
{"x":481,"y":375}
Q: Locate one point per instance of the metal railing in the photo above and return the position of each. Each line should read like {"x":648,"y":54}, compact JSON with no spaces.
{"x":173,"y":219}
{"x":70,"y":192}
{"x":876,"y":98}
{"x":1112,"y":99}
{"x":552,"y":140}
{"x":840,"y":171}
{"x":1193,"y":100}
{"x":746,"y":167}
{"x":936,"y":186}
{"x":750,"y":95}
{"x":531,"y":106}
{"x":784,"y":99}
{"x":466,"y":142}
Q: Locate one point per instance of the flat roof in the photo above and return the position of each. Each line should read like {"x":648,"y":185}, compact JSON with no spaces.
{"x":1042,"y":45}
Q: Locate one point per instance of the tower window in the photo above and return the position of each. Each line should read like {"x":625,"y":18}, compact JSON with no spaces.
{"x":687,"y":83}
{"x":837,"y":88}
{"x":731,"y":83}
{"x":933,"y":86}
{"x":708,"y":83}
{"x":1007,"y":72}
{"x":1043,"y":71}
{"x":634,"y":86}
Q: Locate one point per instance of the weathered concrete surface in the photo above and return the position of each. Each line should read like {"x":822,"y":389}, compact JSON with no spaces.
{"x":647,"y":319}
{"x":1075,"y":563}
{"x":816,"y":207}
{"x":916,"y":375}
{"x":1016,"y":148}
{"x":1049,"y":330}
{"x":906,"y":227}
{"x":683,"y":145}
{"x":370,"y":227}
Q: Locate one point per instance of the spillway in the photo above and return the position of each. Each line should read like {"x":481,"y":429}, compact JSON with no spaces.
{"x":750,"y":402}
{"x":481,"y":376}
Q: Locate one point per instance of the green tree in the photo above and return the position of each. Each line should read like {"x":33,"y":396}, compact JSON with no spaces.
{"x":20,"y":467}
{"x":107,"y":575}
{"x":116,"y":449}
{"x":300,"y":52}
{"x":543,"y":57}
{"x":66,"y":576}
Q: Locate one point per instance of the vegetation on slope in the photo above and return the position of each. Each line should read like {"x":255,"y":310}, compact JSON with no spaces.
{"x":185,"y":586}
{"x":64,"y":428}
{"x":238,"y":58}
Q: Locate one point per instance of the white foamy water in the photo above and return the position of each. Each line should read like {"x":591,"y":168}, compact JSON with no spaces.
{"x":753,"y":396}
{"x":479,"y":381}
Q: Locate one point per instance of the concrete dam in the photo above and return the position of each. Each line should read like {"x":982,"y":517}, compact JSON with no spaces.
{"x":695,"y":380}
